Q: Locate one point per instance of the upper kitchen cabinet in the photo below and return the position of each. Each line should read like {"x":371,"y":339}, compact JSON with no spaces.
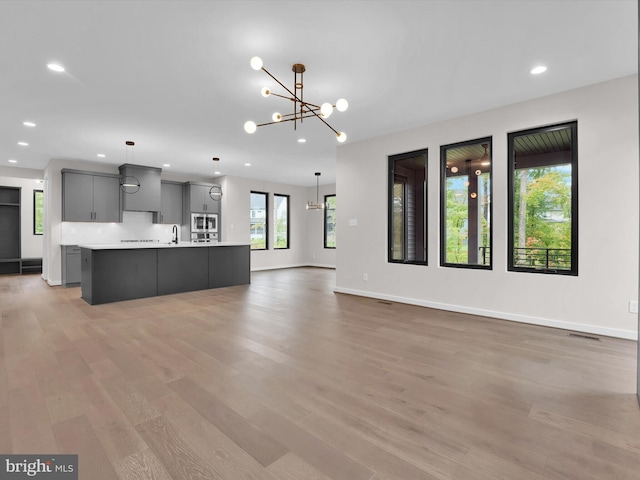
{"x":90,"y":197}
{"x":170,"y":203}
{"x":197,"y":194}
{"x":147,"y":197}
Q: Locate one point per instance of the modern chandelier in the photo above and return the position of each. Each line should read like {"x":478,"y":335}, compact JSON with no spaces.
{"x":301,"y":109}
{"x":317,"y":205}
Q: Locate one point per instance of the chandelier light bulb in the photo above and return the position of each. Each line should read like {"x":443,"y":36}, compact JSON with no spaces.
{"x":342,"y":137}
{"x":276,"y":117}
{"x":256,"y":63}
{"x":326,"y":109}
{"x":266,"y":91}
{"x":342,"y":105}
{"x":250,"y":127}
{"x":55,"y":67}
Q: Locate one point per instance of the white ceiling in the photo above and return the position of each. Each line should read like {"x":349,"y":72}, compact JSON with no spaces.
{"x":174,"y":76}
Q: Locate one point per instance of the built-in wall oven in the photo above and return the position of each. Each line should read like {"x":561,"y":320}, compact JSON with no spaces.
{"x":204,"y":227}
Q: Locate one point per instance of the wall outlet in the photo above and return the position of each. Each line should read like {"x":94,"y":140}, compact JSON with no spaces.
{"x":633,"y":306}
{"x":365,"y":277}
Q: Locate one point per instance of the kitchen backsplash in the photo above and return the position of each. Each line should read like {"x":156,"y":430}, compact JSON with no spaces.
{"x":134,"y":226}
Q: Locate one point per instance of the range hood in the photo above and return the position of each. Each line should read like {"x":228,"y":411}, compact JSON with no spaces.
{"x":147,"y":197}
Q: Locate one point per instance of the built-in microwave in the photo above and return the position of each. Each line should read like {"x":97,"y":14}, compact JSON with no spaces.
{"x":204,"y":223}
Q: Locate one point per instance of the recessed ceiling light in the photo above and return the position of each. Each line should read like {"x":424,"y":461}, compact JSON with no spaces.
{"x":101,"y":155}
{"x":302,"y":140}
{"x":13,"y":161}
{"x":23,"y":144}
{"x":216,"y":173}
{"x":55,"y":67}
{"x":247,"y":164}
{"x":166,"y":165}
{"x":29,"y":124}
{"x":538,"y":70}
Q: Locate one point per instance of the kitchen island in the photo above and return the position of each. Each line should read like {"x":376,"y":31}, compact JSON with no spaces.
{"x":125,"y":271}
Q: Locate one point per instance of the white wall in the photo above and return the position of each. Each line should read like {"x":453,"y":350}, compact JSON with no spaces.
{"x":317,"y":255}
{"x":235,"y":221}
{"x":29,"y":180}
{"x":595,"y":301}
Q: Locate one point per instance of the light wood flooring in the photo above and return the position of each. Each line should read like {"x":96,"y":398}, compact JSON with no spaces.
{"x":283,"y":379}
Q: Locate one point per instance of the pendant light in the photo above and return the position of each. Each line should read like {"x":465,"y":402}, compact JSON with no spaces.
{"x":129,"y":184}
{"x":215,"y":192}
{"x":317,"y":205}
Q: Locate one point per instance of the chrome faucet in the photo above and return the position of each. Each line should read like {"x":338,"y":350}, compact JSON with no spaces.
{"x":175,"y":234}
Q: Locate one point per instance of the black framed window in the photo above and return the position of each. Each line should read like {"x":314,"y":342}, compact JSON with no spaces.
{"x":281,"y":218}
{"x":38,"y":212}
{"x":465,"y":204}
{"x":259,"y":221}
{"x":407,"y":209}
{"x":543,"y":200}
{"x":330,"y":221}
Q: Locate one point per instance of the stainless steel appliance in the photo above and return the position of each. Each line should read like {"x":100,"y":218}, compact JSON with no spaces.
{"x":204,"y":237}
{"x":204,"y":222}
{"x":204,"y":227}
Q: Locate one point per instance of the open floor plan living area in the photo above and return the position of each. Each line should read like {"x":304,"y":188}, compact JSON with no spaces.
{"x":319,"y":240}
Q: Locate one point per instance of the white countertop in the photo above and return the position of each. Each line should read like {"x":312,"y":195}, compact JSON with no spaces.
{"x":148,"y":245}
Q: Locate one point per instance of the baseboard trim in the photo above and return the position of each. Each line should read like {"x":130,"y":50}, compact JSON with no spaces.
{"x":544,"y":322}
{"x":280,"y":267}
{"x":53,"y":283}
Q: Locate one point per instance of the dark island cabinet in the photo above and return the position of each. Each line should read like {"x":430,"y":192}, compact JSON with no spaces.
{"x":112,"y":275}
{"x":182,"y":270}
{"x":229,"y":266}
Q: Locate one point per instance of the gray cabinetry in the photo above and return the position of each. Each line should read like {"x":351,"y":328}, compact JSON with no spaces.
{"x":10,"y":250}
{"x":199,"y":199}
{"x":229,"y":265}
{"x":170,"y":204}
{"x":147,"y":198}
{"x":70,"y":265}
{"x":114,"y":275}
{"x":90,"y":197}
{"x":111,"y":275}
{"x":182,"y":270}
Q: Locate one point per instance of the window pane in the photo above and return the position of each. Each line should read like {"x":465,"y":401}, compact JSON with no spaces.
{"x":542,"y":203}
{"x":330,"y":221}
{"x":397,"y":227}
{"x":466,"y":204}
{"x":38,"y":212}
{"x":258,"y":223}
{"x":281,"y":214}
{"x":407,"y":209}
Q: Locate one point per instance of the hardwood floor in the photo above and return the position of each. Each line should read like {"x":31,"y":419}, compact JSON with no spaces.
{"x":283,"y":379}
